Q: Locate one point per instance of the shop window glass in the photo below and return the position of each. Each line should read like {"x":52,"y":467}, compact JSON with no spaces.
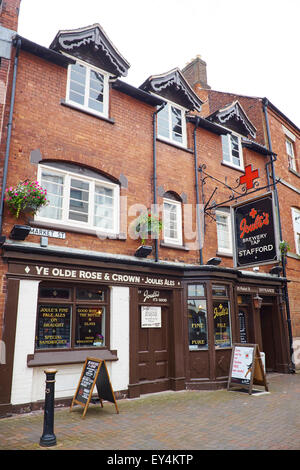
{"x":89,"y":294}
{"x":54,"y":293}
{"x":196,"y":290}
{"x":53,"y":326}
{"x":71,"y":317}
{"x":197,"y":317}
{"x":221,"y":312}
{"x":89,"y":326}
{"x":221,"y":315}
{"x":219,"y":291}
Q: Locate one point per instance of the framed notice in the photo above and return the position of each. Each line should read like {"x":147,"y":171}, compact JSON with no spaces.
{"x":246,"y":367}
{"x":150,"y":317}
{"x":255,"y":235}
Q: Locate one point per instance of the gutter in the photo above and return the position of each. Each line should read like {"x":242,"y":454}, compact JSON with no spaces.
{"x":136,"y":93}
{"x":155,"y":171}
{"x":197,"y":192}
{"x":45,"y":52}
{"x":265,"y":104}
{"x":8,"y":139}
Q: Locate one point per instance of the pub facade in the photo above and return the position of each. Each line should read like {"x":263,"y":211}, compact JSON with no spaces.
{"x":78,"y":278}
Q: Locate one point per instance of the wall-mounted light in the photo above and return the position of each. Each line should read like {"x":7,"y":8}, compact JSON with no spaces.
{"x":257,"y":301}
{"x":143,"y":251}
{"x":214,"y":261}
{"x":276,"y":270}
{"x":19,"y":232}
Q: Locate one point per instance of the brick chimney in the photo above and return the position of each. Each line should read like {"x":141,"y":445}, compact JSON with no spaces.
{"x":9,"y":14}
{"x":195,"y":73}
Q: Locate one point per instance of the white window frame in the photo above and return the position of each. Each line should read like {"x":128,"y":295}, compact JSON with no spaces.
{"x":230,"y":162}
{"x":227,"y":215}
{"x":177,"y":204}
{"x":85,"y":106}
{"x":289,"y":144}
{"x":169,"y":139}
{"x":296,"y":226}
{"x":65,"y":221}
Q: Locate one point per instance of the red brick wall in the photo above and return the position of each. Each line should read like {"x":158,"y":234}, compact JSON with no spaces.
{"x":61,"y":133}
{"x":288,"y":199}
{"x":125,"y":147}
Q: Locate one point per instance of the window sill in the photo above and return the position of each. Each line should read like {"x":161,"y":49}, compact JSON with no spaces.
{"x":47,"y":358}
{"x":294,"y":172}
{"x":86,"y":111}
{"x":293,"y":255}
{"x":173,"y":246}
{"x":172,"y":144}
{"x":71,"y":228}
{"x":233,"y":167}
{"x":221,"y":253}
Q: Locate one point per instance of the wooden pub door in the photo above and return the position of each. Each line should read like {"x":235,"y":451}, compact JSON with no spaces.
{"x":153,"y":348}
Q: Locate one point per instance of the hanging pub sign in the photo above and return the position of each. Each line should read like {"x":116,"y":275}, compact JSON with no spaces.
{"x":255,"y":240}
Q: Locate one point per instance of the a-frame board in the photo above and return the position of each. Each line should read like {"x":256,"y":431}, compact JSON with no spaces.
{"x":246,"y":368}
{"x":94,"y":372}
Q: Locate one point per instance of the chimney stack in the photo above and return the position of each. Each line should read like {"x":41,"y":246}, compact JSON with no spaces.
{"x":9,"y":14}
{"x":195,"y":73}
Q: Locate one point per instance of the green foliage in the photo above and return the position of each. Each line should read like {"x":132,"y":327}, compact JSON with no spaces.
{"x":148,"y":224}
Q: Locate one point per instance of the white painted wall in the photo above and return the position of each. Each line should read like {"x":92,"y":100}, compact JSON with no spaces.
{"x":24,"y":343}
{"x":119,"y":337}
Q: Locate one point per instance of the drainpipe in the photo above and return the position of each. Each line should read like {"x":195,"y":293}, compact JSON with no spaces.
{"x":286,"y":296}
{"x":9,"y":127}
{"x":155,"y":171}
{"x":197,"y":193}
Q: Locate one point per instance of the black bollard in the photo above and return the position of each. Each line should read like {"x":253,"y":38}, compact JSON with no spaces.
{"x":48,"y":438}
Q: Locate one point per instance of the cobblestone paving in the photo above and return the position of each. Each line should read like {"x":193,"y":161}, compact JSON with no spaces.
{"x":188,"y":420}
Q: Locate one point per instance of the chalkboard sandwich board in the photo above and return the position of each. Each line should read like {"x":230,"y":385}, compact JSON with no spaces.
{"x":94,"y":372}
{"x":246,"y":368}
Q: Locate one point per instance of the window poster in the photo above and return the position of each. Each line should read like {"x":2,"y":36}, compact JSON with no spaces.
{"x":54,"y":326}
{"x":197,"y":314}
{"x":242,"y":365}
{"x":222,"y":324}
{"x":89,"y":326}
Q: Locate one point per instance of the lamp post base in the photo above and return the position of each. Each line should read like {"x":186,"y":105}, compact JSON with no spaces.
{"x":48,"y":440}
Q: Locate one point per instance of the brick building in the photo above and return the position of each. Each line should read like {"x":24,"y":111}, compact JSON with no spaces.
{"x":76,"y":281}
{"x":279,"y":134}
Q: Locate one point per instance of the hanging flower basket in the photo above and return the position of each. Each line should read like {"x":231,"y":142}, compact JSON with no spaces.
{"x":26,"y":197}
{"x":148,"y":225}
{"x":284,"y":247}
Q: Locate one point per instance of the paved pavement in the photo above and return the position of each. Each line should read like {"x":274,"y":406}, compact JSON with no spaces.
{"x":187,"y":420}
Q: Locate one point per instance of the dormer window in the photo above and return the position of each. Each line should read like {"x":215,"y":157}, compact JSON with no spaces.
{"x":171,"y":124}
{"x":232,"y":150}
{"x":87,"y":88}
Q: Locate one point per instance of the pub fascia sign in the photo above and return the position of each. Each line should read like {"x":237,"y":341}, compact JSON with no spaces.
{"x":96,"y":276}
{"x":254,"y":232}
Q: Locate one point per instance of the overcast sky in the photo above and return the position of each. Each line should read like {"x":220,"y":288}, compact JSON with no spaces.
{"x":251,"y":47}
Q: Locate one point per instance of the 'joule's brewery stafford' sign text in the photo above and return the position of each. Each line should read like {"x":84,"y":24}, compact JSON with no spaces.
{"x":254,"y":232}
{"x":82,"y":274}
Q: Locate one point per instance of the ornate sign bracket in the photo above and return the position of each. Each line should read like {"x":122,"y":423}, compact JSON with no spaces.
{"x":241,"y":188}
